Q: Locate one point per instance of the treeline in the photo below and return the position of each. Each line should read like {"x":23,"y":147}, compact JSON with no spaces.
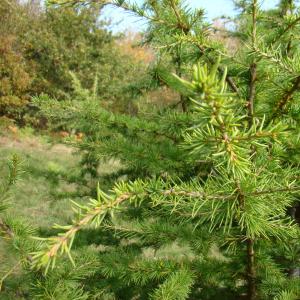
{"x":40,"y":46}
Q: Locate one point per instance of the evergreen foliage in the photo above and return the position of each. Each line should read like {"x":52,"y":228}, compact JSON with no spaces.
{"x":199,"y":209}
{"x":243,"y":200}
{"x":13,"y":232}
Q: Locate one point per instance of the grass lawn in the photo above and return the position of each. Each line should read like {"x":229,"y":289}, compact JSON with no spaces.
{"x":50,"y":179}
{"x":42,"y":195}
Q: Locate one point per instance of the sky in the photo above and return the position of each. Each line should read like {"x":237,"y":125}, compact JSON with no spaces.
{"x":124,"y":21}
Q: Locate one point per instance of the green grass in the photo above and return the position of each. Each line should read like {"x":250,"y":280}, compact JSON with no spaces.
{"x":51,"y":178}
{"x":42,"y":195}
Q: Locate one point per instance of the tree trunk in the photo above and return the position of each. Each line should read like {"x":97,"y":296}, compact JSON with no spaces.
{"x":251,"y":273}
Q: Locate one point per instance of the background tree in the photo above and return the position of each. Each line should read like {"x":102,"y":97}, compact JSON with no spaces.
{"x":15,"y":74}
{"x":41,"y":46}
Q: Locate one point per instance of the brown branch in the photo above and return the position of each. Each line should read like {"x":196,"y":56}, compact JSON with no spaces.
{"x":281,"y":190}
{"x":64,"y":239}
{"x":173,"y":192}
{"x":253,"y":68}
{"x":286,"y":98}
{"x":252,"y":92}
{"x":185,"y":29}
{"x":290,"y":26}
{"x":230,"y":82}
{"x":180,"y":25}
{"x":6,"y":230}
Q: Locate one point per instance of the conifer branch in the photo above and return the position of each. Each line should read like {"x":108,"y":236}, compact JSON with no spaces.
{"x":288,"y":27}
{"x":95,"y":213}
{"x":288,"y":95}
{"x":8,"y":231}
{"x":203,"y":49}
{"x":7,"y":274}
{"x":107,"y":204}
{"x":13,"y":174}
{"x":187,"y":37}
{"x":288,"y":65}
{"x":134,"y":8}
{"x":177,"y":286}
{"x":181,"y":25}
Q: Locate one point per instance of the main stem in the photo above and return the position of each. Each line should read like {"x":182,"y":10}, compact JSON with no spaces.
{"x":252,"y":92}
{"x":253,"y":67}
{"x":183,"y":99}
{"x":251,"y":271}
